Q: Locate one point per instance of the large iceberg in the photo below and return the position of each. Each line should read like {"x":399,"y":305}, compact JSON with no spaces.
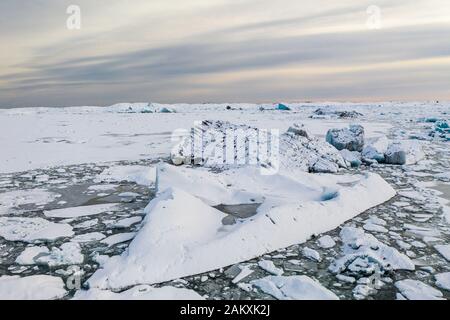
{"x":174,"y":243}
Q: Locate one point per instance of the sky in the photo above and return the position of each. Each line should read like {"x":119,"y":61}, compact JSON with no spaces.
{"x":198,"y":51}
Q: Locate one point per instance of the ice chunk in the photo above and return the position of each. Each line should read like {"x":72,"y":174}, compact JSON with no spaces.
{"x":364,"y":254}
{"x":268,"y":266}
{"x":119,"y":238}
{"x":294,"y":288}
{"x":443,"y":280}
{"x":141,"y":175}
{"x":141,"y":292}
{"x":353,"y":158}
{"x":375,"y":149}
{"x":82,"y":211}
{"x":404,"y":152}
{"x":416,"y":290}
{"x":40,"y":287}
{"x":444,"y":250}
{"x":311,"y":254}
{"x":32,"y":229}
{"x":351,"y":138}
{"x":331,"y":113}
{"x":283,"y":107}
{"x":89,"y":237}
{"x":326,"y":242}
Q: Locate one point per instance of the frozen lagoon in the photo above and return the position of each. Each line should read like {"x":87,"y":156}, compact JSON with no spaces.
{"x":414,"y":224}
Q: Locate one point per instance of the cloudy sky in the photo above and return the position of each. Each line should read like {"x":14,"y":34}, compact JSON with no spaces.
{"x":223,"y":51}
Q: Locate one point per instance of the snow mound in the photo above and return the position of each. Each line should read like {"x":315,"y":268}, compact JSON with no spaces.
{"x":351,"y":138}
{"x":294,"y":288}
{"x":32,"y":229}
{"x":223,"y":145}
{"x":139,"y":293}
{"x":364,"y":255}
{"x":172,"y":244}
{"x":31,"y":288}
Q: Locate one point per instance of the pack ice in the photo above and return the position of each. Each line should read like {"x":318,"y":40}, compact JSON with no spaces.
{"x":175,"y":242}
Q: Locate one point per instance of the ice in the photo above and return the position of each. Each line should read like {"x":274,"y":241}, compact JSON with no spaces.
{"x":443,"y":280}
{"x":39,"y":287}
{"x":118,"y":238}
{"x":351,"y":138}
{"x":292,"y":210}
{"x":353,"y":158}
{"x":444,"y":250}
{"x":311,"y":254}
{"x":404,"y":152}
{"x":328,"y":113}
{"x":244,"y":273}
{"x":89,"y":237}
{"x":268,"y":266}
{"x":127,"y":222}
{"x":141,"y":292}
{"x":82,"y":211}
{"x":68,"y":254}
{"x":14,"y":199}
{"x":205,"y":143}
{"x":416,"y":290}
{"x":103,"y":187}
{"x":376,"y":148}
{"x":294,"y":288}
{"x":364,"y":254}
{"x":326,"y":242}
{"x":141,"y":175}
{"x":32,"y":229}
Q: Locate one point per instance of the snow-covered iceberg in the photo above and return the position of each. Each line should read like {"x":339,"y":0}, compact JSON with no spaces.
{"x":174,"y":242}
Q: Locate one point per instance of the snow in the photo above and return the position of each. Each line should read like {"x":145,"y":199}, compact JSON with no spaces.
{"x":292,"y":210}
{"x":14,"y":199}
{"x":326,"y":242}
{"x":443,"y":280}
{"x":32,"y":229}
{"x":82,"y":211}
{"x":294,"y":288}
{"x":68,"y":254}
{"x":416,"y":290}
{"x":269,"y":266}
{"x":444,"y":250}
{"x":141,"y":292}
{"x":40,"y":287}
{"x":141,"y":175}
{"x":363,"y":253}
{"x":118,"y":238}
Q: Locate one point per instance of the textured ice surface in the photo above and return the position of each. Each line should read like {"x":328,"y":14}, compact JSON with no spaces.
{"x":32,"y":229}
{"x":40,"y":287}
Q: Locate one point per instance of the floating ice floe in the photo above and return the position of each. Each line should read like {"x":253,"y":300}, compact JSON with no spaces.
{"x":329,"y":113}
{"x":14,"y":199}
{"x":172,"y":244}
{"x":270,"y":267}
{"x":206,"y":142}
{"x":141,"y":175}
{"x":416,"y":290}
{"x":83,"y":211}
{"x":89,"y":237}
{"x":443,"y":280}
{"x":365,"y":255}
{"x":294,"y":288}
{"x":118,"y":238}
{"x":444,"y":250}
{"x":311,"y":254}
{"x":375,"y":149}
{"x":351,"y":138}
{"x":142,"y":292}
{"x":40,"y":287}
{"x":68,"y":254}
{"x":326,"y":242}
{"x":32,"y":229}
